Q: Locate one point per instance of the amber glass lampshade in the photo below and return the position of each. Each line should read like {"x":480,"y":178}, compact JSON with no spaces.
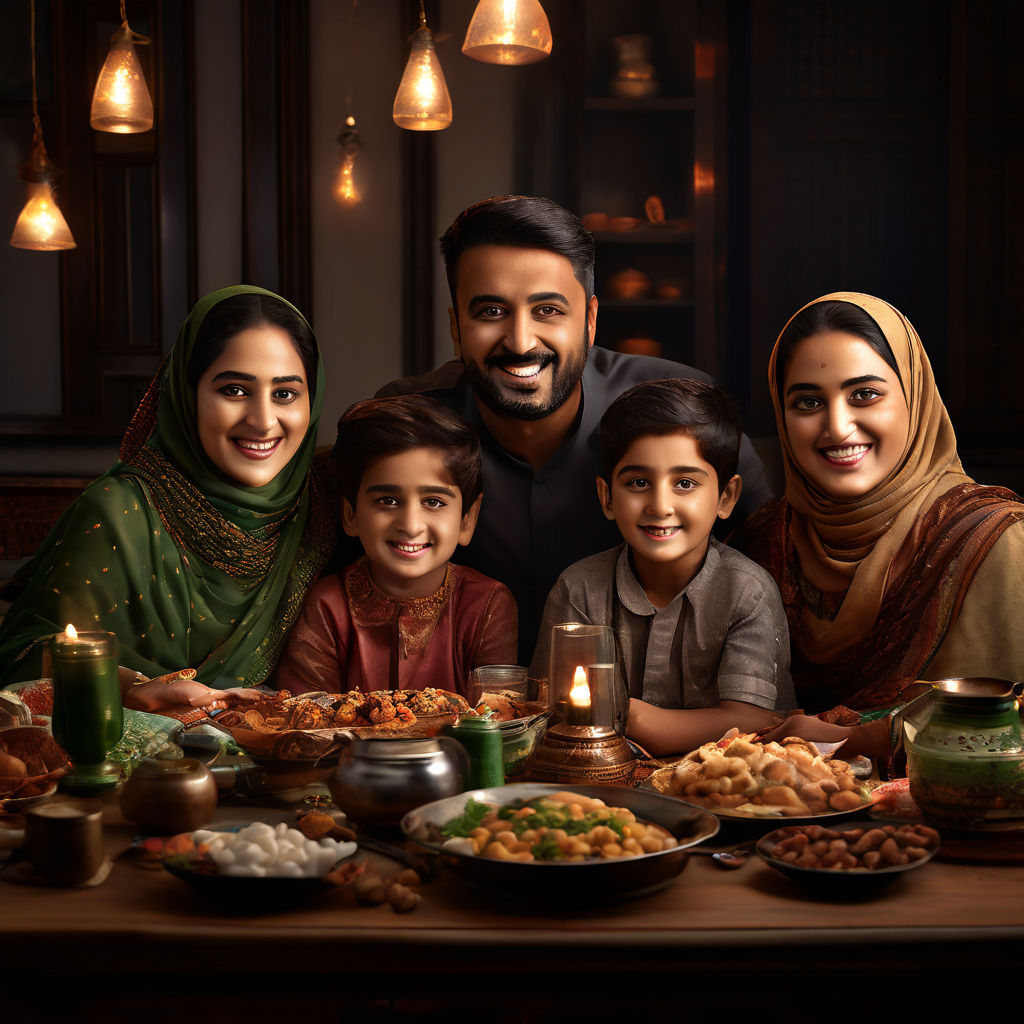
{"x":121,"y":102}
{"x":41,"y":225}
{"x":508,"y":32}
{"x":422,"y":103}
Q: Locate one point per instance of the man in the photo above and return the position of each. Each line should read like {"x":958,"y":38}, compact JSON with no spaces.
{"x":523,"y":319}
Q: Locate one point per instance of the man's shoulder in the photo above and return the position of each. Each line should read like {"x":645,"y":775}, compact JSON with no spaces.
{"x":446,"y":382}
{"x":617,"y":371}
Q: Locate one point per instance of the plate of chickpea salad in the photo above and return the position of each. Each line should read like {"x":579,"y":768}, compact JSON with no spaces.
{"x":581,"y":843}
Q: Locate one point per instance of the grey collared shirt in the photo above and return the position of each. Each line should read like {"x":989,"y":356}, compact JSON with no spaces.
{"x":723,"y":637}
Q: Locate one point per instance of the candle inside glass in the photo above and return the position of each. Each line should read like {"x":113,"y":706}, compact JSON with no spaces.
{"x":578,"y":704}
{"x":87,"y":715}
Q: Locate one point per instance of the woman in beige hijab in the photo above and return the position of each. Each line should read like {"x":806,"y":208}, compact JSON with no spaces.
{"x":893,"y":564}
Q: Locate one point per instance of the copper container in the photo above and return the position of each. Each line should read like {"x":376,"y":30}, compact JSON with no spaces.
{"x":582,"y":754}
{"x":64,"y":841}
{"x":169,"y":796}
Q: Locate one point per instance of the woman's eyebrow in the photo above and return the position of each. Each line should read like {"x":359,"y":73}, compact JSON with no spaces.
{"x":234,"y":375}
{"x":250,"y":378}
{"x":802,"y":387}
{"x":868,"y":378}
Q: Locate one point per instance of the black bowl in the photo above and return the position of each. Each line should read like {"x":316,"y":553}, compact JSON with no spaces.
{"x":858,"y":883}
{"x":578,"y":882}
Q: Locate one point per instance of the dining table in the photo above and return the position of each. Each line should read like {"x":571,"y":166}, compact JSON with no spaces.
{"x":145,"y":939}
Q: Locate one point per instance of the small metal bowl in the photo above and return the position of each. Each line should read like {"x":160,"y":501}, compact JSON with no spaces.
{"x":577,"y":882}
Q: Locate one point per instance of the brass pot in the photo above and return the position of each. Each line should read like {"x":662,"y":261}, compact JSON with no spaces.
{"x":169,"y":796}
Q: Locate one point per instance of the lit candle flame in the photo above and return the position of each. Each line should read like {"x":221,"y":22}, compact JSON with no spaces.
{"x":580,"y":692}
{"x":70,"y":633}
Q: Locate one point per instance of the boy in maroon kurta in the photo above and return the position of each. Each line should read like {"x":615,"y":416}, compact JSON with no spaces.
{"x":403,"y":616}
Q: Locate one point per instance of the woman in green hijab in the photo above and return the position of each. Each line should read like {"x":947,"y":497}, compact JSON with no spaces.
{"x":198,"y":546}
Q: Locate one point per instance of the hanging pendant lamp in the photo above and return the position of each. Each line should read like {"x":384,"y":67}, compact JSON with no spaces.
{"x":508,"y":32}
{"x":40,"y":225}
{"x":422,"y":103}
{"x":121,"y":102}
{"x":346,"y":189}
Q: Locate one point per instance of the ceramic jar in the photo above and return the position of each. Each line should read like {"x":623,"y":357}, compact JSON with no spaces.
{"x":965,"y":755}
{"x":634,"y":72}
{"x":169,"y":796}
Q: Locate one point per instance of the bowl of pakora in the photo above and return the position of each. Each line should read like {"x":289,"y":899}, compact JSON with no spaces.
{"x":313,"y":728}
{"x":557,"y":845}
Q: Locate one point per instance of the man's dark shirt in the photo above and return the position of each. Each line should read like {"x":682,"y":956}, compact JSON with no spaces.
{"x":533,"y":525}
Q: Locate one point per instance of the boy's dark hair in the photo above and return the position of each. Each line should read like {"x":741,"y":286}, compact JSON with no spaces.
{"x":703,"y":411}
{"x":380,"y":427}
{"x":529,"y":222}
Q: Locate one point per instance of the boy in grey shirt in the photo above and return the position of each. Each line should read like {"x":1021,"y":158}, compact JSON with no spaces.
{"x":701,"y":630}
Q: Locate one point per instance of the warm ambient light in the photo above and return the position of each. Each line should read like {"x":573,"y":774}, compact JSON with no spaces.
{"x":508,"y":32}
{"x":41,"y":225}
{"x":422,"y":103}
{"x":70,"y":633}
{"x":121,"y":101}
{"x":346,"y":190}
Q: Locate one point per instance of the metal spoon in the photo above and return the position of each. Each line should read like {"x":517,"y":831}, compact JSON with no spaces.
{"x":731,"y":857}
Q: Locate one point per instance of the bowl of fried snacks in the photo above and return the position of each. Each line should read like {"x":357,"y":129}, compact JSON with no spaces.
{"x":31,"y":762}
{"x":557,"y":845}
{"x":740,"y":777}
{"x":312,"y":727}
{"x":850,"y":858}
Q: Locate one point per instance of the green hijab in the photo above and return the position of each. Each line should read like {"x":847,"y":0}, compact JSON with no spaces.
{"x":187,"y":567}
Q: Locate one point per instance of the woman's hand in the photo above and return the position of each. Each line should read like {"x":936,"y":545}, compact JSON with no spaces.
{"x":241,"y":693}
{"x":807,"y":727}
{"x":172,"y":690}
{"x":870,"y":739}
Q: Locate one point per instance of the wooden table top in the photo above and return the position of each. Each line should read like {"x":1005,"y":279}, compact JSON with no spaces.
{"x":970,"y":913}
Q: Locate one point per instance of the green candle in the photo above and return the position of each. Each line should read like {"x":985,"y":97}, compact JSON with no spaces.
{"x":87,"y":715}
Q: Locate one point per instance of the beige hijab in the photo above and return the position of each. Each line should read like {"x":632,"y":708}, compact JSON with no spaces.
{"x":861,"y":539}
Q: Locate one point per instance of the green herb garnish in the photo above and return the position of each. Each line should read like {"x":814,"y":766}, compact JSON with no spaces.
{"x":463,"y":825}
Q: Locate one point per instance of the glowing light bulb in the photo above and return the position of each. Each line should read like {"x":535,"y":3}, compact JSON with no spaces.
{"x":345,"y":190}
{"x":41,"y":225}
{"x":121,"y":102}
{"x":422,"y":102}
{"x":508,"y":32}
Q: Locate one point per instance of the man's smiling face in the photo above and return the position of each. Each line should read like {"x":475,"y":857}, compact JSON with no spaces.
{"x":523,"y":328}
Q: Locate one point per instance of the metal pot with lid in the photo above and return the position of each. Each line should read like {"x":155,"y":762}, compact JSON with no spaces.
{"x":379,"y":780}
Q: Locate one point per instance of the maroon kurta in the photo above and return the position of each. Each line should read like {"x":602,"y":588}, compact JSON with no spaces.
{"x":352,"y":636}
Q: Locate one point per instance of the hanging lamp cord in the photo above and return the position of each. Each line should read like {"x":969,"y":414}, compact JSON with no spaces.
{"x":37,"y":124}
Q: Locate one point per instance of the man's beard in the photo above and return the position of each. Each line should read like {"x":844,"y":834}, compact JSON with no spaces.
{"x":564,"y":378}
